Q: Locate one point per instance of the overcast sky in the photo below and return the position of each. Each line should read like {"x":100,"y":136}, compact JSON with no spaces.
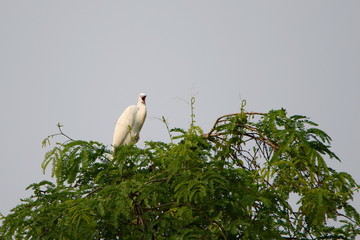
{"x":81,"y":63}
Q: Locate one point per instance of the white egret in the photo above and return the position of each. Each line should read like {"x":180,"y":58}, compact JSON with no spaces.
{"x":129,"y":124}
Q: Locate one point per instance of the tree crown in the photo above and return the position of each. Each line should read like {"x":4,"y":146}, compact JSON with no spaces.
{"x":234,"y":182}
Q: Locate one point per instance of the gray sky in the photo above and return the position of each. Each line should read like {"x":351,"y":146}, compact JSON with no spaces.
{"x":81,"y":63}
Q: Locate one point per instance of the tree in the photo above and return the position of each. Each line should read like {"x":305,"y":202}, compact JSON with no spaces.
{"x":252,"y":176}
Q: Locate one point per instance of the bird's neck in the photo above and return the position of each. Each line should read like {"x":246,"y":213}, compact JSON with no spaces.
{"x":141,"y":111}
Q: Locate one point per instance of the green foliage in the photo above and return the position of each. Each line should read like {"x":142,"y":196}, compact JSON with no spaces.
{"x":234,"y":182}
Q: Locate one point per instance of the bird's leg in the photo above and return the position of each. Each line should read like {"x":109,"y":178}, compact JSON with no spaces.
{"x":136,"y":138}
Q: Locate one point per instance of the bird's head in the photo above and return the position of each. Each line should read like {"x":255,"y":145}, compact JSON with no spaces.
{"x":142,"y":97}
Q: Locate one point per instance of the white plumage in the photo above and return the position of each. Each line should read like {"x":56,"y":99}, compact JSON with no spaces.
{"x":129,"y":124}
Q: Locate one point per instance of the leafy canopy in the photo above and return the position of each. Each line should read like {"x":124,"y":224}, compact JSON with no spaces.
{"x":252,"y":176}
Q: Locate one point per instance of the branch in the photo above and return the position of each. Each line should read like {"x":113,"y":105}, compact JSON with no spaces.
{"x":61,"y":132}
{"x":47,"y":141}
{"x":223,"y":119}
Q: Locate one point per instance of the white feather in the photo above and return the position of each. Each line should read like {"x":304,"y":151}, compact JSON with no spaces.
{"x":129,"y":124}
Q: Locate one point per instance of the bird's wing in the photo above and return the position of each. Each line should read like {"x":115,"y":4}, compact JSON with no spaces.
{"x":124,"y":124}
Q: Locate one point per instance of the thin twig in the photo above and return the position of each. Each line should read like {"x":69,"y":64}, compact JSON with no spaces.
{"x":59,"y":127}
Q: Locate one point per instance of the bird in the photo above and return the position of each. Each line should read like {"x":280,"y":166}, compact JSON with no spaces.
{"x":129,"y":124}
